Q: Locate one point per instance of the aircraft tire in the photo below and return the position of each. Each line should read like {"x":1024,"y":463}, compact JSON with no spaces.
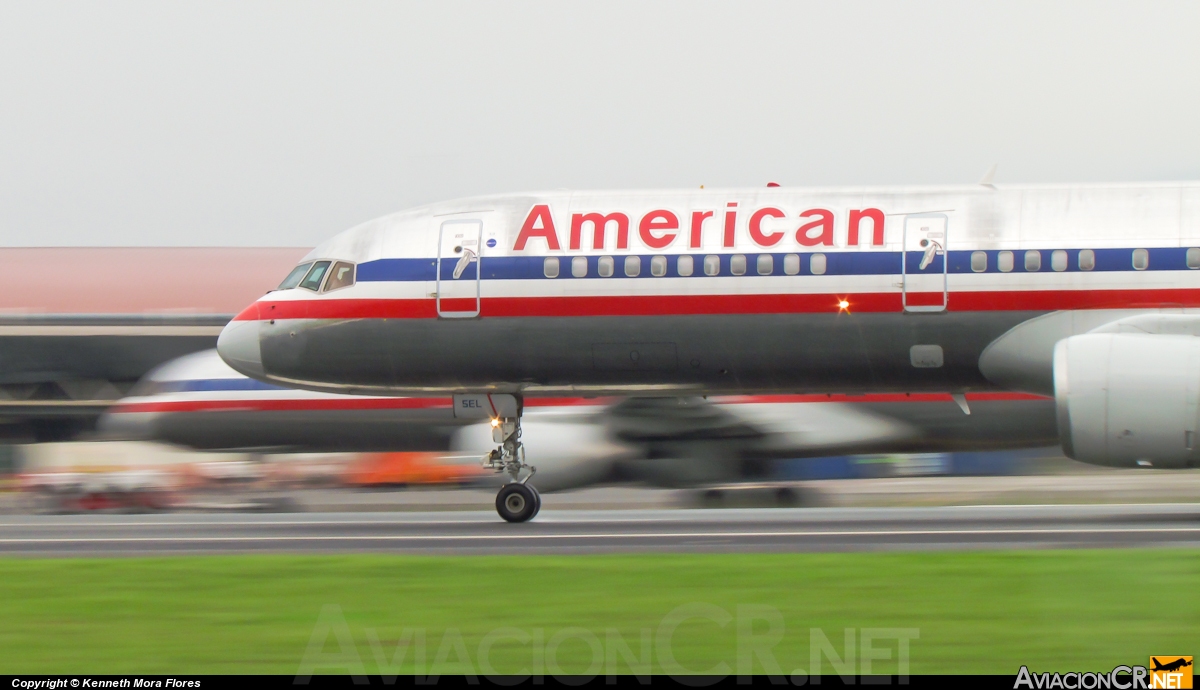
{"x":517,"y":502}
{"x":537,"y":502}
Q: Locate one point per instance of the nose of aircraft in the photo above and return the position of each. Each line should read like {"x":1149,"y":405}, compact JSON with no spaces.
{"x":238,"y":346}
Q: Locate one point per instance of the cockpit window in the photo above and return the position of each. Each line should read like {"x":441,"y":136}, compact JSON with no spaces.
{"x":293,"y":278}
{"x":313,"y":280}
{"x":340,"y":276}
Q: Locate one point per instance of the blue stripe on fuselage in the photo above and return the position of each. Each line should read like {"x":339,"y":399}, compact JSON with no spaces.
{"x":864,"y":262}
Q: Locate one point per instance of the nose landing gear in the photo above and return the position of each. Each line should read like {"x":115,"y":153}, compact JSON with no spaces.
{"x":517,"y":500}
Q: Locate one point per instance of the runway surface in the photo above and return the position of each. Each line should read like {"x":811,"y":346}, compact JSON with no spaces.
{"x":616,"y":531}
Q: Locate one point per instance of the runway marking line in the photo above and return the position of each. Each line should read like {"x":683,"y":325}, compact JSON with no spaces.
{"x":568,"y":521}
{"x":659,"y":535}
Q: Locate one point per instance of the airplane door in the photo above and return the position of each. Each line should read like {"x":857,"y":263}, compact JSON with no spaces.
{"x":924,"y":270}
{"x":459,"y":254}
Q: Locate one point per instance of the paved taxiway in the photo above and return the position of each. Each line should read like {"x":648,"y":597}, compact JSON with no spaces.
{"x":751,"y":530}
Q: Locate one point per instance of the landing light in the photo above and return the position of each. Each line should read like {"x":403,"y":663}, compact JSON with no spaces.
{"x":843,"y":305}
{"x":495,"y":423}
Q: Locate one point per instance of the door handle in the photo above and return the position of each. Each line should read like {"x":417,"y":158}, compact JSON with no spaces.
{"x":932,"y":249}
{"x":464,"y":261}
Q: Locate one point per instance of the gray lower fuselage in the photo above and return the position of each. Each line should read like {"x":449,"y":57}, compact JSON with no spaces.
{"x":709,"y":354}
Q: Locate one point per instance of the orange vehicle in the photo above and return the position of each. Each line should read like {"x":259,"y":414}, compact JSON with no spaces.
{"x":403,"y":469}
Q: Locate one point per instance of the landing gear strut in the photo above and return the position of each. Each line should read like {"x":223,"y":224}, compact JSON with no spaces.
{"x":517,"y":500}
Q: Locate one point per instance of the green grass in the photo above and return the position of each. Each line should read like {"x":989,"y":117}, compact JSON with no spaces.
{"x":976,"y":612}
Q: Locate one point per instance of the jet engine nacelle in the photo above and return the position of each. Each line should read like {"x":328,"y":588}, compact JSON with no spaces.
{"x":1128,"y":399}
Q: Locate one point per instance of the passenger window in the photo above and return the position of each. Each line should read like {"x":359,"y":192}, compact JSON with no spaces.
{"x":1058,"y":260}
{"x":340,"y":276}
{"x":1004,"y":261}
{"x":1087,"y":260}
{"x":605,"y":266}
{"x":712,"y":265}
{"x":293,"y":278}
{"x":816,"y":264}
{"x":684,"y":266}
{"x":791,"y":264}
{"x":1141,"y":259}
{"x":579,"y":267}
{"x":1193,"y":258}
{"x":550,"y":267}
{"x":658,"y":266}
{"x":979,"y":261}
{"x":766,"y":264}
{"x":313,"y":280}
{"x":1033,"y":260}
{"x":633,"y":266}
{"x":737,"y":264}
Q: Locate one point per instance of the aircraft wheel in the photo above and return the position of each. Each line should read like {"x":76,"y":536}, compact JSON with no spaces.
{"x":517,"y":502}
{"x":537,"y":502}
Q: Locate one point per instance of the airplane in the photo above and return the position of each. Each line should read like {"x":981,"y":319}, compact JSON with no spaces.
{"x":1083,"y":293}
{"x":198,"y":401}
{"x":80,"y":325}
{"x":1171,"y":666}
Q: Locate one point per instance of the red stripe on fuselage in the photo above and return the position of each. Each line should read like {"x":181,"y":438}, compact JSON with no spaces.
{"x":874,"y":398}
{"x":685,"y":305}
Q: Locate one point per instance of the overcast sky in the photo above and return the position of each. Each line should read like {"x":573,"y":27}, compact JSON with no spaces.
{"x":282,"y":123}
